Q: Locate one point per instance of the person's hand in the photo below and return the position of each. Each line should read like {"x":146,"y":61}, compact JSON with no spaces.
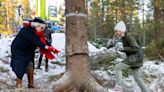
{"x":119,"y":48}
{"x":55,"y":51}
{"x":51,"y":48}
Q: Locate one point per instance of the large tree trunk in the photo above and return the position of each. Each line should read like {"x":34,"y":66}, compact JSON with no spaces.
{"x":77,"y":77}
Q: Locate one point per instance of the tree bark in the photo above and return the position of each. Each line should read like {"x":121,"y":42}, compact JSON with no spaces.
{"x":157,"y":20}
{"x":77,"y":77}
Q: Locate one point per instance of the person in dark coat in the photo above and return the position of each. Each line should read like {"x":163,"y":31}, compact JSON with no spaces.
{"x":134,"y":60}
{"x":48,"y":37}
{"x":23,"y":51}
{"x":48,"y":33}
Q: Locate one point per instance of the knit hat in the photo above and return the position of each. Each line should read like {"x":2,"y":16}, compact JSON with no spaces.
{"x":38,"y":22}
{"x":120,"y":26}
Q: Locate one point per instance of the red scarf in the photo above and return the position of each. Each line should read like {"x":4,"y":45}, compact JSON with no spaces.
{"x":47,"y":53}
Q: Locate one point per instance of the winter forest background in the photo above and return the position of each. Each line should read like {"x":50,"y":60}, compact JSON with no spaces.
{"x":145,"y":17}
{"x":142,"y":17}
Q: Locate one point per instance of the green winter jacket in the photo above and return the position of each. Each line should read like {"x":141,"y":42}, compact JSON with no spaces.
{"x":133,"y":51}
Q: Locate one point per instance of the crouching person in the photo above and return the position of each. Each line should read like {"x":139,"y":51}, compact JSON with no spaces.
{"x":133,"y":61}
{"x":23,"y":51}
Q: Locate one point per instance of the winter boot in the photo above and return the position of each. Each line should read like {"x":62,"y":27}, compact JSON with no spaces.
{"x":38,"y":66}
{"x":18,"y":83}
{"x":46,"y":69}
{"x":46,"y":66}
{"x":30,"y":76}
{"x":40,"y":61}
{"x":118,"y":88}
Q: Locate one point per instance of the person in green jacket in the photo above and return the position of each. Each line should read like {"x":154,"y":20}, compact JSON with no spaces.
{"x":134,"y":58}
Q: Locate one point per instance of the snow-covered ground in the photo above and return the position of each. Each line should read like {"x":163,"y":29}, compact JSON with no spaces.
{"x":152,"y":73}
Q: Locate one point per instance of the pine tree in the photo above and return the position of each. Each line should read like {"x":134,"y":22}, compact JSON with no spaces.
{"x":77,"y":76}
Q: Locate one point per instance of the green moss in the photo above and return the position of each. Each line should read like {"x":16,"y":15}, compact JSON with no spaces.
{"x":2,"y":69}
{"x":53,"y":78}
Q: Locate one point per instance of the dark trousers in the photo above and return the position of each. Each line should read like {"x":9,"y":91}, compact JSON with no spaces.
{"x":40,"y":62}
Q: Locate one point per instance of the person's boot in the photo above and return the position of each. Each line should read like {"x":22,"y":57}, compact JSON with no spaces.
{"x":39,"y":63}
{"x":118,"y":88}
{"x":46,"y":69}
{"x":38,"y":66}
{"x":18,"y":83}
{"x":46,"y":66}
{"x":30,"y":76}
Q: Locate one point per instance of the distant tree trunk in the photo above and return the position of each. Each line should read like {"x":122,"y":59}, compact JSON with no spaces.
{"x":131,"y":15}
{"x":122,"y":8}
{"x":103,"y":15}
{"x":143,"y":20}
{"x":102,"y":10}
{"x":156,"y":19}
{"x":116,"y":11}
{"x":26,"y":9}
{"x":77,"y":77}
{"x":94,"y":28}
{"x":158,"y":25}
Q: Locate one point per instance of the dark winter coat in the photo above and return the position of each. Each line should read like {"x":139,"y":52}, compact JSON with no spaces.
{"x":133,"y":51}
{"x":23,"y":50}
{"x":47,"y":34}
